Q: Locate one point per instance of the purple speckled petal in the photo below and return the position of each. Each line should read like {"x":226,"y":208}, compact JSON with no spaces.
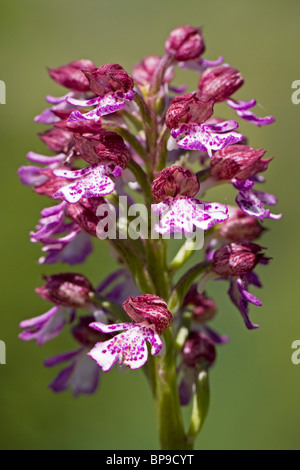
{"x":92,"y":182}
{"x":207,"y":138}
{"x":69,"y":174}
{"x":242,"y":185}
{"x":182,"y":214}
{"x":251,"y":202}
{"x":83,"y":103}
{"x":59,"y":99}
{"x":128,"y":347}
{"x":221,"y":127}
{"x":109,"y":328}
{"x":107,"y":104}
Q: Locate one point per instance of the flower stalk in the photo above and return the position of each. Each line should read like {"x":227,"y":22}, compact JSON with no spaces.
{"x":140,"y":139}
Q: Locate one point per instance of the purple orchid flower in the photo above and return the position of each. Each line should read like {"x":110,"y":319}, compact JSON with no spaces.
{"x":90,"y":182}
{"x":252,"y":201}
{"x":207,"y":137}
{"x":182,"y":214}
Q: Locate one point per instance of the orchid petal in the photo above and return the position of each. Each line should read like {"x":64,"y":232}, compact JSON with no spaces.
{"x":181,"y":215}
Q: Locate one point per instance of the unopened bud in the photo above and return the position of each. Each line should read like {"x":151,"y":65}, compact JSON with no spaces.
{"x":108,"y":79}
{"x":237,"y":161}
{"x":203,"y":308}
{"x":198,"y":348}
{"x":185,"y":43}
{"x":144,"y":71}
{"x":240,"y":227}
{"x":235,"y":259}
{"x":106,"y":147}
{"x":71,"y":75}
{"x":174,"y":181}
{"x":149,"y":307}
{"x":220,"y":82}
{"x":67,"y":289}
{"x":84,"y":213}
{"x":58,"y":140}
{"x":188,"y":109}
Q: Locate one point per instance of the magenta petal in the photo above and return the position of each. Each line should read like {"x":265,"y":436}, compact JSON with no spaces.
{"x":251,"y":202}
{"x":241,"y":105}
{"x":207,"y":138}
{"x":128,"y":348}
{"x":94,"y":182}
{"x":182,"y":214}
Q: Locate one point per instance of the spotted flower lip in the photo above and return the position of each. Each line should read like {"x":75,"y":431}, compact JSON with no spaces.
{"x":90,"y":182}
{"x":128,"y":348}
{"x":182,"y":214}
{"x":107,"y":104}
{"x":207,"y":137}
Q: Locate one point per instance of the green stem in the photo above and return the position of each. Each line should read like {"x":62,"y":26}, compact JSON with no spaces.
{"x":183,"y":285}
{"x":170,"y":423}
{"x":201,"y":400}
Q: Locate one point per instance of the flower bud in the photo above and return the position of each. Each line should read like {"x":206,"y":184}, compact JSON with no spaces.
{"x":144,"y":71}
{"x":203,"y":308}
{"x":78,"y":127}
{"x":188,"y":109}
{"x":108,"y":79}
{"x":105,"y":147}
{"x":198,"y":348}
{"x":174,"y":181}
{"x":220,"y":82}
{"x":58,"y":140}
{"x":71,"y":75}
{"x":240,"y":227}
{"x":235,"y":259}
{"x":149,"y":307}
{"x":84,"y":214}
{"x":67,"y":289}
{"x":185,"y":43}
{"x":237,"y":161}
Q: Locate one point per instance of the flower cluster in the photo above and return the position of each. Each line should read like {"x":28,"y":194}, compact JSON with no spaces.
{"x":140,"y":136}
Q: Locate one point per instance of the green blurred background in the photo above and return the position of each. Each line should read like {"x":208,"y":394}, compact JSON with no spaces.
{"x":255,"y":400}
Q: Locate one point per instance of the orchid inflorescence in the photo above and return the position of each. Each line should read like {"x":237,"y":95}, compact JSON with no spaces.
{"x":142,"y":138}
